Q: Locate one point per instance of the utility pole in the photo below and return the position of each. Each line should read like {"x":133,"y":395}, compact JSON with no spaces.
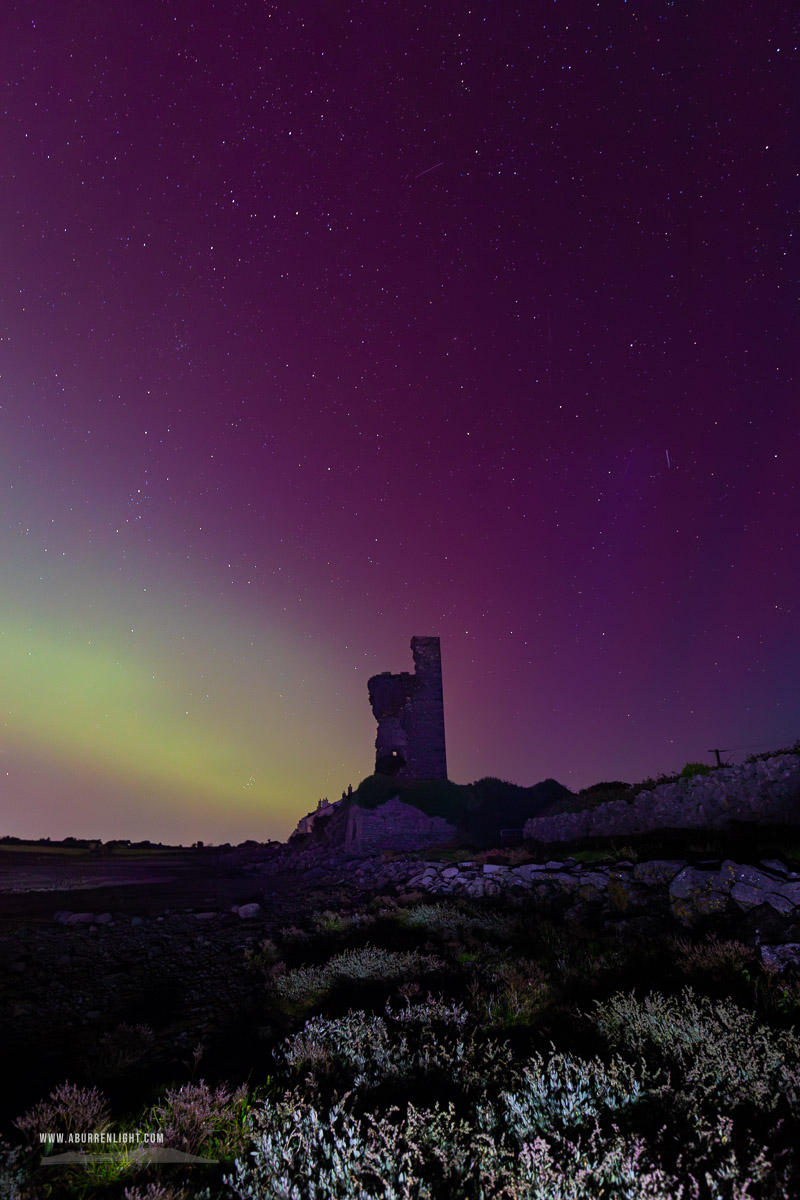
{"x":719,"y":761}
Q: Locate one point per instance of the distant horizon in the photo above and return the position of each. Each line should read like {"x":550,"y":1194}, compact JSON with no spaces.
{"x":239,"y":837}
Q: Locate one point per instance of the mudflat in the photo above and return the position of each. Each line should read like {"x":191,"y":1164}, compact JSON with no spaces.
{"x":34,"y":886}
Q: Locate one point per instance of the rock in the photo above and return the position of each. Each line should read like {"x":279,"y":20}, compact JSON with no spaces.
{"x":791,"y":891}
{"x":79,"y":919}
{"x":747,"y":897}
{"x":752,"y":877}
{"x":694,"y":894}
{"x":493,"y":869}
{"x":564,"y":879}
{"x":450,"y":872}
{"x":137,"y":921}
{"x":249,"y":910}
{"x":62,"y":915}
{"x":206,"y":916}
{"x":104,"y":919}
{"x":781,"y":957}
{"x":528,"y":870}
{"x":657,"y":871}
{"x":592,"y":881}
{"x":620,"y":893}
{"x":774,"y":864}
{"x":765,"y":792}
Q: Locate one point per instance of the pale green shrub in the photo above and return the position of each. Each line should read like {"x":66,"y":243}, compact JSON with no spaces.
{"x":301,"y":1154}
{"x":15,"y":1172}
{"x":450,"y":923}
{"x":423,"y":1041}
{"x":566,"y":1091}
{"x":719,"y":1049}
{"x":370,"y":964}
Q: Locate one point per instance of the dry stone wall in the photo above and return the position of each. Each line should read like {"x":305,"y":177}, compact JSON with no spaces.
{"x":679,"y":891}
{"x":763,"y":792}
{"x":393,"y":825}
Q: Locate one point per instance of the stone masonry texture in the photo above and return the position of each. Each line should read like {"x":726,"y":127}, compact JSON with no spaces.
{"x":765,"y":792}
{"x":409,"y":709}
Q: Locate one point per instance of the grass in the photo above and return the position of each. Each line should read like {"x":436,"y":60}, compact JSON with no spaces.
{"x":6,"y":848}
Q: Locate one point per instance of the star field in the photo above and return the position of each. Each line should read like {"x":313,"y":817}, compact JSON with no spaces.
{"x":326,"y":325}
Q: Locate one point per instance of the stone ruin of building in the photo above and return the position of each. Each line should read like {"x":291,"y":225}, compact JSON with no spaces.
{"x":409,"y":709}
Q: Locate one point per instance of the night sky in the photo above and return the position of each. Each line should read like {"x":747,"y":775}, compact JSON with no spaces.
{"x":325,"y":324}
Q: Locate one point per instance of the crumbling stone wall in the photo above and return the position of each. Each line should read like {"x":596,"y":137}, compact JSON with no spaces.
{"x":763,"y":792}
{"x":409,"y":709}
{"x":394,"y":826}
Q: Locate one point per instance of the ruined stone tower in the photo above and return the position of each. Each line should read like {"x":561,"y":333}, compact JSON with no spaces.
{"x":409,"y":710}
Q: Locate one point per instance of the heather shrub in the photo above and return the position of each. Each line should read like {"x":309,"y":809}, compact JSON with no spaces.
{"x":194,"y":1115}
{"x":370,"y":964}
{"x":69,"y":1109}
{"x":574,"y":958}
{"x":450,"y":923}
{"x":521,"y":991}
{"x":328,"y":922}
{"x":265,"y":958}
{"x":164,"y":1191}
{"x":625,"y":1166}
{"x":126,"y":1044}
{"x":293,"y":935}
{"x":155,"y":1191}
{"x":712,"y":956}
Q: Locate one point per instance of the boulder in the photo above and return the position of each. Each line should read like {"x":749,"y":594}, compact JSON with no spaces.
{"x":694,"y":894}
{"x":657,"y":871}
{"x":781,"y":957}
{"x":748,"y":896}
{"x":752,"y":877}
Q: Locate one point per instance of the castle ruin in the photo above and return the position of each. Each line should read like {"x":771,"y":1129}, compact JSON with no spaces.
{"x":409,"y":709}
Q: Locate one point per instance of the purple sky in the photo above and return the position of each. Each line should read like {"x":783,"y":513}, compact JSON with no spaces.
{"x":327,"y":324}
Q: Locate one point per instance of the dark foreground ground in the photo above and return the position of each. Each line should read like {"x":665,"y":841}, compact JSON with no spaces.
{"x":492,"y":1048}
{"x":64,"y":988}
